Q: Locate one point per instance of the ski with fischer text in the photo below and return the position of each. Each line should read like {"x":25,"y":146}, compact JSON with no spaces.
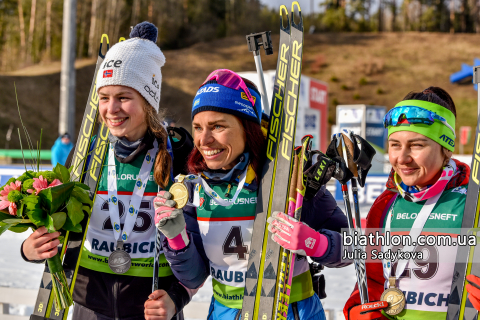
{"x":268,"y":173}
{"x":265,"y":253}
{"x":72,"y":246}
{"x":467,"y":261}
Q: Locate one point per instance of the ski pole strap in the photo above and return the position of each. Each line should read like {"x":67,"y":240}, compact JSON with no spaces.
{"x":362,"y":157}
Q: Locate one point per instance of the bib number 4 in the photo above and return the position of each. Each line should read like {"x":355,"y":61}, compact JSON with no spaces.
{"x":233,"y":244}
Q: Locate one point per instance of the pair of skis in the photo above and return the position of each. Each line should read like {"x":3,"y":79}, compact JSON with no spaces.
{"x":459,"y":306}
{"x":72,"y":247}
{"x":261,"y":281}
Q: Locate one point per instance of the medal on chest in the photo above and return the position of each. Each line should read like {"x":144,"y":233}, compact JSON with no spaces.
{"x":394,"y":297}
{"x":119,"y":260}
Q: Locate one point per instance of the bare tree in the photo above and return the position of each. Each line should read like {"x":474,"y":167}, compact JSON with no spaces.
{"x":31,"y":30}
{"x":83,"y":26}
{"x":150,"y":10}
{"x":135,"y":12}
{"x":93,"y":25}
{"x":48,"y":31}
{"x":380,"y":15}
{"x":452,"y":16}
{"x":22,"y":32}
{"x":393,"y":7}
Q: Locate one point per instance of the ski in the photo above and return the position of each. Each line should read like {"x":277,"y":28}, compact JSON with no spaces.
{"x":71,"y":249}
{"x":268,"y":173}
{"x":265,"y":301}
{"x":459,"y":307}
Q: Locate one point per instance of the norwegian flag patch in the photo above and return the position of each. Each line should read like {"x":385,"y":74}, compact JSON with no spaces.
{"x":108,"y":73}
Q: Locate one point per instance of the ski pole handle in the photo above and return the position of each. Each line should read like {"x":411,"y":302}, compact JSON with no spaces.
{"x":255,"y":41}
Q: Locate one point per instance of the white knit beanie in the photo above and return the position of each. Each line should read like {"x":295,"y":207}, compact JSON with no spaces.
{"x":135,"y":63}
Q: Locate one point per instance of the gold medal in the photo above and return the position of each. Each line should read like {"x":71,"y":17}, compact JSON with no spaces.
{"x":394,"y":297}
{"x":179,"y":192}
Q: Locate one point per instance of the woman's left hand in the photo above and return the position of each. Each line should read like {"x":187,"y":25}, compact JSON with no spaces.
{"x":296,"y":236}
{"x":159,"y":306}
{"x":474,"y":295}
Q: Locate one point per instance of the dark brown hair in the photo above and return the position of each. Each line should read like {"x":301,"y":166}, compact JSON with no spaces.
{"x":254,"y":145}
{"x":436,"y":95}
{"x":439,"y":96}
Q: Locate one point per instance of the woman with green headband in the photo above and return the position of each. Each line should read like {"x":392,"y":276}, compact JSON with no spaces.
{"x":425,"y":195}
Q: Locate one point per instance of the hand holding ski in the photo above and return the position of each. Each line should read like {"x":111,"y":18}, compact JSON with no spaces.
{"x":296,"y":236}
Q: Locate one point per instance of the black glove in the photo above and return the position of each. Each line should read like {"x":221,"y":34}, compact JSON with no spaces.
{"x":322,"y":171}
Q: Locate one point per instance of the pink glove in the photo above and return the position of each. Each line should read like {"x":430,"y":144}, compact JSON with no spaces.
{"x":296,"y":236}
{"x":170,"y":221}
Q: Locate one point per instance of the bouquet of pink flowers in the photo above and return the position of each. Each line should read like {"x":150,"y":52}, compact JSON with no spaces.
{"x":49,"y":199}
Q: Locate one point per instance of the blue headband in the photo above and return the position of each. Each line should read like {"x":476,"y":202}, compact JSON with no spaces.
{"x":215,"y":97}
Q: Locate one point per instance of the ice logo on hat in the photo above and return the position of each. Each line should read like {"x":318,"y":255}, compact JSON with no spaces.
{"x":124,"y":236}
{"x":114,"y":200}
{"x":139,"y":183}
{"x":155,"y":82}
{"x":131,"y":210}
{"x":116,"y":226}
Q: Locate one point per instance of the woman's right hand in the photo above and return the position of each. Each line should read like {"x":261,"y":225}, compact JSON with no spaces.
{"x":368,"y":311}
{"x":41,"y":245}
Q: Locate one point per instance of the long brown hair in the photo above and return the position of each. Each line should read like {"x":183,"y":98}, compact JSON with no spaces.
{"x":163,"y":162}
{"x":254,"y":145}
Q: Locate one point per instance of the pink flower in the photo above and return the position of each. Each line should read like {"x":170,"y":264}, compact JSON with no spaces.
{"x":4,"y":203}
{"x":12,"y":209}
{"x":40,"y":183}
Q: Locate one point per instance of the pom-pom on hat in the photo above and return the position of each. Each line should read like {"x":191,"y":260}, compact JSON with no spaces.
{"x":135,"y":63}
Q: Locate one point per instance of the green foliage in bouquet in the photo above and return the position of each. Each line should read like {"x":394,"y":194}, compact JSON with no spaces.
{"x":46,"y":198}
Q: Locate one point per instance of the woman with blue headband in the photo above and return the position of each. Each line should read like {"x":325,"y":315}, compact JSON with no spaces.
{"x":425,"y":195}
{"x":227,"y":161}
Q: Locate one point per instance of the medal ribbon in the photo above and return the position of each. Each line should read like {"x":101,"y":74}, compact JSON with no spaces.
{"x":417,"y":226}
{"x":137,"y":194}
{"x":219,"y":200}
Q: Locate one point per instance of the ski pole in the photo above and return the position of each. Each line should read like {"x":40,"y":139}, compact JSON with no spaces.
{"x":346,"y":148}
{"x":297,"y":192}
{"x":254,"y":41}
{"x":283,"y":287}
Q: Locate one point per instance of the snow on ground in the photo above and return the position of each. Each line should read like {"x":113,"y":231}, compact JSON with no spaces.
{"x":16,"y":273}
